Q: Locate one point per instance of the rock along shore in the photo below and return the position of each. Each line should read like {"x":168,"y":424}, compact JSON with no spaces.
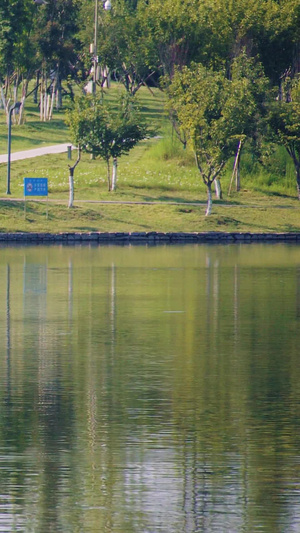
{"x":145,"y":237}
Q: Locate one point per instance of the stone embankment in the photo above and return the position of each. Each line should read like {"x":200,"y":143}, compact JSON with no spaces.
{"x":145,"y":238}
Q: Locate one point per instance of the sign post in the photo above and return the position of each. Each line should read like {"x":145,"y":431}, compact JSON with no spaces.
{"x":35,"y":187}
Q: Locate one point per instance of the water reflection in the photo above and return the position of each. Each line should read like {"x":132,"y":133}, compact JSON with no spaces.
{"x":7,"y":397}
{"x":150,"y":389}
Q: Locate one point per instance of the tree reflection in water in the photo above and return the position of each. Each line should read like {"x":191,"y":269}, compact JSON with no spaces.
{"x":149,"y":389}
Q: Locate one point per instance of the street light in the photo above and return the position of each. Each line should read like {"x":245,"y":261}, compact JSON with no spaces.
{"x":107,"y":7}
{"x":17,"y":106}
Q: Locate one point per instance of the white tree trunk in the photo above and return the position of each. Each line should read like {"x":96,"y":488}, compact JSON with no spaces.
{"x":41,"y":104}
{"x":209,"y":201}
{"x":238,"y":177}
{"x":3,"y":98}
{"x":71,"y":179}
{"x":52,"y":98}
{"x":71,"y":189}
{"x":114,"y":174}
{"x":48,"y":107}
{"x":5,"y":103}
{"x":218,"y":189}
{"x":236,"y":169}
{"x":108,"y":175}
{"x":24,"y":93}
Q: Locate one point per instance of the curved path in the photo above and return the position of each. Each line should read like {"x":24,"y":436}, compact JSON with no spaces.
{"x":35,"y":152}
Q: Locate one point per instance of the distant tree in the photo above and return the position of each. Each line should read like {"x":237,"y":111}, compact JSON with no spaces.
{"x":284,"y":123}
{"x":106,"y":131}
{"x":175,"y":32}
{"x":125,"y":47}
{"x":58,"y":50}
{"x":17,"y":53}
{"x":267,"y":29}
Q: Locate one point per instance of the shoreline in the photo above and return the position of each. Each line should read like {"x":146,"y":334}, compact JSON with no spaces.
{"x":151,"y":237}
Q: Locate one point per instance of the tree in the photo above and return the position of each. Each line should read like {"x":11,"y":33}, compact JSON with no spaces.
{"x":16,"y":49}
{"x":266,"y":29}
{"x":214,"y":112}
{"x":58,"y":50}
{"x":248,"y":78}
{"x":125,"y":47}
{"x":175,"y":33}
{"x":284,"y":122}
{"x":106,"y":131}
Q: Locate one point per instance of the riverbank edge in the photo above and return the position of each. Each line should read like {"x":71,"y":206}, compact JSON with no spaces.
{"x":151,"y":237}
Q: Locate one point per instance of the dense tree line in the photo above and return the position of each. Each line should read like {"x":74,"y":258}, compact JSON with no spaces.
{"x":141,"y":41}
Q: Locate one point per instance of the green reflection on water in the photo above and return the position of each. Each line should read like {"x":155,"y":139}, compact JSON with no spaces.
{"x":150,"y":389}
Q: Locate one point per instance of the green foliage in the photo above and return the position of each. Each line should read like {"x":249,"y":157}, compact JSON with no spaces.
{"x":16,"y":22}
{"x":55,"y":36}
{"x":173,"y":30}
{"x":126,"y":47}
{"x":216,"y":112}
{"x":284,"y":122}
{"x":106,"y":131}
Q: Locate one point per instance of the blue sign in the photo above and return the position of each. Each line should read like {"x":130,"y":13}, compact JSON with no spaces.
{"x":35,"y":186}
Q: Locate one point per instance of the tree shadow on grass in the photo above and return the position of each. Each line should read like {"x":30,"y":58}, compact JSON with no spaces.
{"x":165,"y":198}
{"x":8,"y":205}
{"x":226,"y":223}
{"x":275,"y":194}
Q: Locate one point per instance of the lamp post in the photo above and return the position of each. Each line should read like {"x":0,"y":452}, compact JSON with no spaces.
{"x":107,"y":7}
{"x":95,"y":47}
{"x":17,"y":106}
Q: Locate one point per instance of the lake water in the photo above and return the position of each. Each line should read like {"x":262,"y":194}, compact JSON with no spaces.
{"x":150,"y":389}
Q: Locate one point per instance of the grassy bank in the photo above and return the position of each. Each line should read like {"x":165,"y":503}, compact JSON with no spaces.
{"x":157,"y":170}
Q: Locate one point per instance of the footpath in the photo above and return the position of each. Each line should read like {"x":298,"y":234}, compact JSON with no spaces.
{"x":36,"y":152}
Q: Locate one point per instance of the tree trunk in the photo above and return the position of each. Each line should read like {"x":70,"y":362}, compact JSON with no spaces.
{"x":71,"y":186}
{"x":24,"y":94}
{"x":296,"y":160}
{"x":298,"y":179}
{"x":114,"y":174}
{"x":53,"y":92}
{"x":71,"y":179}
{"x":36,"y":90}
{"x":58,"y":92}
{"x":238,"y":177}
{"x":209,"y":200}
{"x":218,"y":189}
{"x":108,"y":175}
{"x":41,"y":102}
{"x":3,"y":100}
{"x":236,"y":169}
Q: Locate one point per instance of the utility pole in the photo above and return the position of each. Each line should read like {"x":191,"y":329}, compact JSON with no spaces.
{"x":95,"y":48}
{"x":16,"y":106}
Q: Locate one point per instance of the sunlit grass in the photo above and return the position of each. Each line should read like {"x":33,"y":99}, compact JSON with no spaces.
{"x":34,"y":133}
{"x":159,"y":169}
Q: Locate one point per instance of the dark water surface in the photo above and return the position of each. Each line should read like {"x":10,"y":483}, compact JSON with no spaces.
{"x":148,"y":390}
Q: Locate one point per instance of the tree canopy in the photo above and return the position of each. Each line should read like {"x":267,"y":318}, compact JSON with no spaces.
{"x":104,"y":130}
{"x":284,"y":122}
{"x":216,"y":112}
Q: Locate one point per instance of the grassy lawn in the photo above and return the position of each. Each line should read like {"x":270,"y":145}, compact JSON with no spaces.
{"x":34,"y":133}
{"x":157,"y":170}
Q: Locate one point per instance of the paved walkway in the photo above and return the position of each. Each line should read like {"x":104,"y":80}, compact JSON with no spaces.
{"x":45,"y":150}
